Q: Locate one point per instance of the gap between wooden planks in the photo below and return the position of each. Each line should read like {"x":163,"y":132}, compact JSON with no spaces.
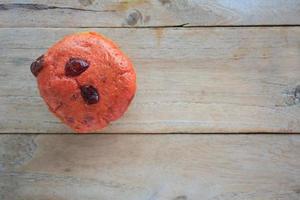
{"x":189,"y":80}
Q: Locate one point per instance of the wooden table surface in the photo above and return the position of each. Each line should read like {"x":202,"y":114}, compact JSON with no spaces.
{"x":217,"y":66}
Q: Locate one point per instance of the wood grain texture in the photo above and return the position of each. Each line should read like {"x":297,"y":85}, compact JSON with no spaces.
{"x":140,"y":13}
{"x":150,"y":167}
{"x":189,"y":80}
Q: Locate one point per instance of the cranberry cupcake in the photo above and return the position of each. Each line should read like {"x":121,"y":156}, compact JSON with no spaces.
{"x":86,"y":81}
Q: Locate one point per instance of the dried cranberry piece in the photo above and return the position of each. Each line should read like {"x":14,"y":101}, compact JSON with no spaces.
{"x":90,"y":94}
{"x":37,"y":65}
{"x":76,"y":66}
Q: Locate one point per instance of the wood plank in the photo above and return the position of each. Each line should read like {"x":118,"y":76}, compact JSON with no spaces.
{"x":140,"y":13}
{"x":189,"y":80}
{"x":150,"y":167}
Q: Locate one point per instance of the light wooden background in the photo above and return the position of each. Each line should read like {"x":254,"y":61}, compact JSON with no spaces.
{"x":193,"y":75}
{"x":223,"y":66}
{"x":150,"y":167}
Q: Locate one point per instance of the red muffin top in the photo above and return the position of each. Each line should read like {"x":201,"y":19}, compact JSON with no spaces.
{"x":86,"y":81}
